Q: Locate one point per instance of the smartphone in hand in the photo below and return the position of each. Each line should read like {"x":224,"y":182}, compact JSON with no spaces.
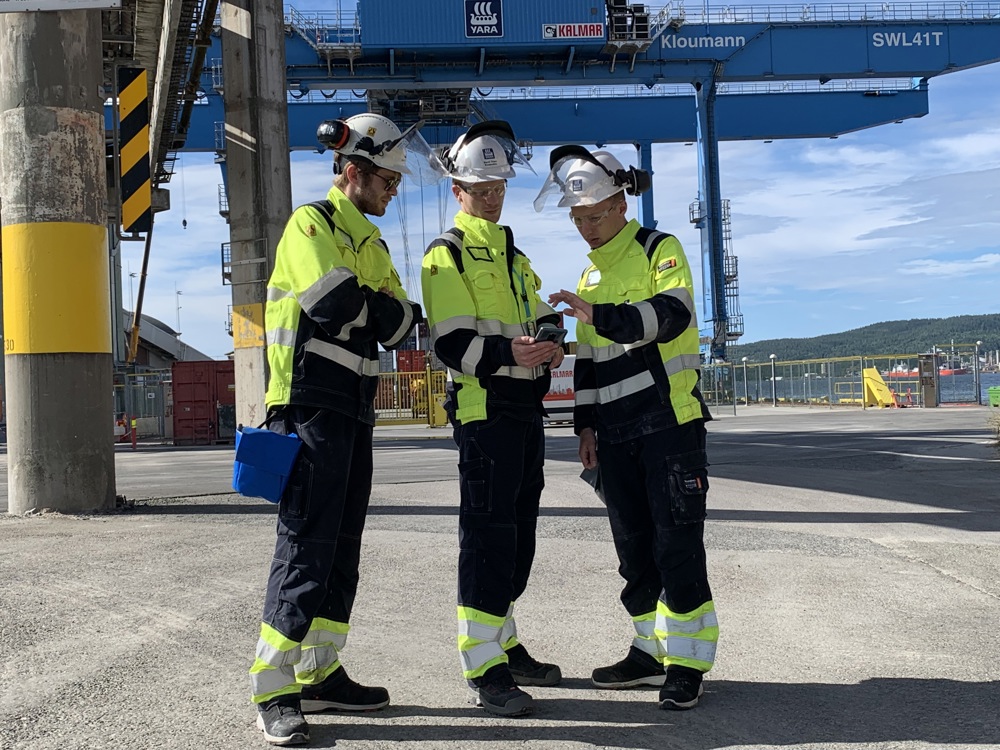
{"x":548,"y":332}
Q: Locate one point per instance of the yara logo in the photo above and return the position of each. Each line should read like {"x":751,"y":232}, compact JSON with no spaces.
{"x":482,"y":14}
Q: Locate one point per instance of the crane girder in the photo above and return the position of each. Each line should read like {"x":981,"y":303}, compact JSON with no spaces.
{"x":748,"y":52}
{"x":666,"y":119}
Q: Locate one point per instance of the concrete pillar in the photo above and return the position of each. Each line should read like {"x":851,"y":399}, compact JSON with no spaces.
{"x":57,"y":342}
{"x":260,"y":188}
{"x":3,"y":379}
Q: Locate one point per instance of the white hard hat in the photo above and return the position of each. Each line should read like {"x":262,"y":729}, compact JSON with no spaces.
{"x":378,"y":140}
{"x":588,"y":184}
{"x":584,"y":179}
{"x":487,"y":152}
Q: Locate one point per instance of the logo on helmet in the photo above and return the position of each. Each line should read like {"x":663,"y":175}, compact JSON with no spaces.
{"x":372,"y":131}
{"x":489,"y":157}
{"x":576,"y":185}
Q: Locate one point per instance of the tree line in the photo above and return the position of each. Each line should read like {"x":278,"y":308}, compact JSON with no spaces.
{"x":891,"y":337}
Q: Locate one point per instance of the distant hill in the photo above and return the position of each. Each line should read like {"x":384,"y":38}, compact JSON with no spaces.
{"x":892,"y":337}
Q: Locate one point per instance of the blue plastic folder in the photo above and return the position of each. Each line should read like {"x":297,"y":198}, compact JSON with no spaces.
{"x":264,"y":461}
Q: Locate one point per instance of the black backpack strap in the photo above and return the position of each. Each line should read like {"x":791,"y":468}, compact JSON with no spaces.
{"x":649,"y":239}
{"x":453,"y":239}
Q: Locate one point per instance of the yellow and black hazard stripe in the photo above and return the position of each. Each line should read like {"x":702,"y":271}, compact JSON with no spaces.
{"x":133,"y":149}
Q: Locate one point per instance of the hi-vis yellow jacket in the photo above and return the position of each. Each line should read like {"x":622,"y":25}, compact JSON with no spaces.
{"x":325,"y":315}
{"x":480,"y":293}
{"x":637,"y":366}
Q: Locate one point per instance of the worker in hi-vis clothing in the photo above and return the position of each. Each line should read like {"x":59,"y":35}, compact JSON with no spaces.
{"x":484,"y":310}
{"x":333,"y":297}
{"x":639,"y":413}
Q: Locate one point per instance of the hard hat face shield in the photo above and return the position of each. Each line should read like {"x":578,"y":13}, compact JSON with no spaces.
{"x":580,"y":178}
{"x":487,"y":152}
{"x":416,"y":156}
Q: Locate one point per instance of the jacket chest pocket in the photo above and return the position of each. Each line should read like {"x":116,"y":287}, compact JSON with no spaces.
{"x":372,"y":270}
{"x":630,"y":289}
{"x":491,"y":293}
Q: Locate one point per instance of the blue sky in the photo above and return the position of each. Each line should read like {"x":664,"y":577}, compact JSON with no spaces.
{"x":896,"y":222}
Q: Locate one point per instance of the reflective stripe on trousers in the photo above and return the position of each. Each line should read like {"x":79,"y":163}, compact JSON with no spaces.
{"x":645,"y":636}
{"x":479,"y":641}
{"x":282,"y":666}
{"x":320,"y":648}
{"x":690,"y":638}
{"x":273,"y":670}
{"x":508,"y":633}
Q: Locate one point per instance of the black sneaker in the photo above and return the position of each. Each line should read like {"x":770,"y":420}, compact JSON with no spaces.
{"x":281,"y":721}
{"x":636,"y":669}
{"x":527,"y":671}
{"x":338,"y":692}
{"x":682,"y":688}
{"x":497,"y":693}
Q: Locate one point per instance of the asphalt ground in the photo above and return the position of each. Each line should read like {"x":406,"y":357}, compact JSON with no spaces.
{"x":853,"y":557}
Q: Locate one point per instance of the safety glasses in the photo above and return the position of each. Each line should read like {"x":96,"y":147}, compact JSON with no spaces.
{"x":391,"y":183}
{"x":591,"y":221}
{"x":497,"y":191}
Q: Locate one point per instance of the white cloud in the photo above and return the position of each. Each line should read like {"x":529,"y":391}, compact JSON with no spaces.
{"x":950,"y":268}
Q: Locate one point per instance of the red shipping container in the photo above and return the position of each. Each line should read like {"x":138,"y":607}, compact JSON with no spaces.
{"x":204,"y":402}
{"x":411,"y":360}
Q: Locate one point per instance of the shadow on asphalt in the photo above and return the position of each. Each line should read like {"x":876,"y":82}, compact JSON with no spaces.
{"x":879,"y":710}
{"x":263,"y":508}
{"x":969,"y":521}
{"x":863,"y":464}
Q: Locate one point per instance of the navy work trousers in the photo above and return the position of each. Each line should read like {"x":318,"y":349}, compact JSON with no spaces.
{"x":655,"y":489}
{"x":500,"y":468}
{"x":321,"y":517}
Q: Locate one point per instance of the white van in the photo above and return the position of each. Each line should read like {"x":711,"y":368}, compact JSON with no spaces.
{"x":558,"y":401}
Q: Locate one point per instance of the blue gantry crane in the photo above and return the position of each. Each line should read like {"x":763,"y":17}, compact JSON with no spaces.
{"x":611,"y":71}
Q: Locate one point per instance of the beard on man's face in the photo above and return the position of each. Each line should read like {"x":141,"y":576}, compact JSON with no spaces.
{"x":370,"y":199}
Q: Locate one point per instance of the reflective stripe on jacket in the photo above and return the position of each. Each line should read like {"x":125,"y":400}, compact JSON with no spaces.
{"x":480,"y":293}
{"x":325,"y":315}
{"x":637,"y":366}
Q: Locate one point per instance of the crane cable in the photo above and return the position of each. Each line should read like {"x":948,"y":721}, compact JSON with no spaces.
{"x":407,"y":264}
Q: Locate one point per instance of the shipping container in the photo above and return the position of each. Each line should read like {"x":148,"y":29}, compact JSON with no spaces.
{"x":204,"y":395}
{"x":386,"y":362}
{"x":411,"y":360}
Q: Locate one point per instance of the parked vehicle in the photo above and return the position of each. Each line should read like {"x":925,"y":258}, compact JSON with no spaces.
{"x":559,"y":400}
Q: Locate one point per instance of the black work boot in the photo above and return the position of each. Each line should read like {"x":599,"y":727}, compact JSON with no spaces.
{"x":528,"y":671}
{"x":636,"y":669}
{"x":281,"y":721}
{"x":682,"y":688}
{"x":338,"y":692}
{"x":497,"y":693}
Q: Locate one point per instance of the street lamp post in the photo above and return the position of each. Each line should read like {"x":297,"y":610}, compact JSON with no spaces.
{"x":975,"y":375}
{"x":774,"y":391}
{"x":746,"y":383}
{"x":177,"y":298}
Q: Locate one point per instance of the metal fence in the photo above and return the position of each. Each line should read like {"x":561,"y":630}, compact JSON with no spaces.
{"x":410,"y":397}
{"x":841,"y":381}
{"x":143,"y":401}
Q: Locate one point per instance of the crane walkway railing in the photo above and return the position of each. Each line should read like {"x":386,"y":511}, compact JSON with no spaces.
{"x":481,"y":99}
{"x":340,"y":27}
{"x":677,"y":14}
